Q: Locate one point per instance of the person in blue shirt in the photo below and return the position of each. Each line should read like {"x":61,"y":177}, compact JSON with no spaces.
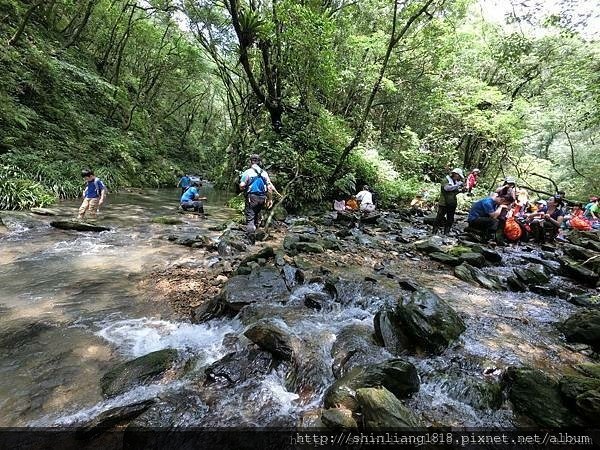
{"x":485,"y":213}
{"x":184,"y":183}
{"x":94,"y":195}
{"x":191,"y":200}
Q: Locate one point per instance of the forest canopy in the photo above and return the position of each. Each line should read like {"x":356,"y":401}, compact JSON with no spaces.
{"x":332,"y":93}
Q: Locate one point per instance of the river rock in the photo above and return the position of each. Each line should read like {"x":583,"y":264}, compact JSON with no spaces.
{"x":338,"y":419}
{"x":575,"y":270}
{"x":585,"y":239}
{"x":264,"y":253}
{"x":536,"y":396}
{"x":237,"y":367}
{"x":43,"y":212}
{"x":165,"y":220}
{"x":112,"y":417}
{"x":532,"y":274}
{"x":78,"y":226}
{"x":471,"y":274}
{"x":397,"y":375}
{"x":430,"y":245}
{"x":572,"y":387}
{"x":588,"y":405}
{"x":583,"y":327}
{"x":473,"y":259}
{"x":292,"y":276}
{"x":389,"y":332}
{"x":142,"y":370}
{"x":381,"y":409}
{"x":428,"y":322}
{"x":309,"y":247}
{"x":273,"y":336}
{"x":589,"y":369}
{"x":172,"y":409}
{"x":445,"y":258}
{"x":232,"y":242}
{"x":355,"y":345}
{"x":515,"y":284}
{"x":264,"y":285}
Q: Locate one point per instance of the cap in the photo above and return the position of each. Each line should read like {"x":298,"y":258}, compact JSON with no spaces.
{"x":459,"y":172}
{"x":510,"y":180}
{"x":542,"y":202}
{"x":593,"y":199}
{"x":476,"y":170}
{"x":254,"y":157}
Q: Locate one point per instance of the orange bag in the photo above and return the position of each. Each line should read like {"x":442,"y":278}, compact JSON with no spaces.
{"x":512,"y":230}
{"x":579,"y":223}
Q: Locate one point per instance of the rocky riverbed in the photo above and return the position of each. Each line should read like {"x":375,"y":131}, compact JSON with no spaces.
{"x":343,"y":322}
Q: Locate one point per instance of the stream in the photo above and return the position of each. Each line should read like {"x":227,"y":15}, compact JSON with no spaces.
{"x":72,"y":309}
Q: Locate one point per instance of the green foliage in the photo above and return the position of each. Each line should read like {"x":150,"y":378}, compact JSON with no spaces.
{"x":19,"y":192}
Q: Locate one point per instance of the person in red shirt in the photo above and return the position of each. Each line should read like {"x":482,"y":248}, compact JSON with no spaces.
{"x":472,"y":180}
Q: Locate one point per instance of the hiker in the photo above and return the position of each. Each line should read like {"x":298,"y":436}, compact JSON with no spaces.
{"x":485,"y":215}
{"x":417,"y":205}
{"x":450,"y":187}
{"x":256,"y":185}
{"x":508,"y":188}
{"x":365,"y":199}
{"x":547,"y":225}
{"x":191,"y":200}
{"x":184,"y":183}
{"x":472,"y":180}
{"x":94,"y":195}
{"x":592,"y":211}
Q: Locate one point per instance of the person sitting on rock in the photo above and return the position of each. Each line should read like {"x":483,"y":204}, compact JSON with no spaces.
{"x":592,"y":211}
{"x":485,"y":215}
{"x":191,"y":200}
{"x":365,"y":198}
{"x":547,"y":225}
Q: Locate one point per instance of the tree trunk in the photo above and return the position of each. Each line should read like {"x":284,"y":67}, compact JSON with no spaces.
{"x":15,"y":38}
{"x":83,"y":24}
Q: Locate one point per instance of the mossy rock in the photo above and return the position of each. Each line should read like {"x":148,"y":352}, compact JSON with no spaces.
{"x":382,"y":409}
{"x":589,"y":369}
{"x":338,"y":419}
{"x":573,"y":386}
{"x":164,"y":220}
{"x":458,"y":250}
{"x":142,"y":370}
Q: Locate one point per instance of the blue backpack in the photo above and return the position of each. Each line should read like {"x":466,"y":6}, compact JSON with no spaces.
{"x":257,"y":185}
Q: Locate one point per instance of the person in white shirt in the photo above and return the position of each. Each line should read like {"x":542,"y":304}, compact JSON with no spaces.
{"x":365,"y":198}
{"x":256,"y":185}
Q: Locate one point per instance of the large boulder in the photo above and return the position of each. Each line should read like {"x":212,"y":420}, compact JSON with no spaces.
{"x":577,"y":271}
{"x":572,"y":387}
{"x":536,"y":397}
{"x":429,"y":322}
{"x":237,"y":367}
{"x":532,"y":274}
{"x":390,"y":333}
{"x":355,"y":345}
{"x":264,"y":285}
{"x":585,"y":239}
{"x":338,"y":419}
{"x":77,"y":226}
{"x":398,"y":376}
{"x":275,"y":338}
{"x":583,"y":327}
{"x":445,"y":258}
{"x":112,"y":417}
{"x":381,"y":409}
{"x":430,"y":245}
{"x":471,"y":274}
{"x":588,"y":405}
{"x":142,"y":370}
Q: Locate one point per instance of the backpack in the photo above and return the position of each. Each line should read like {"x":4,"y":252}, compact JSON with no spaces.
{"x":512,"y":230}
{"x":98,"y":188}
{"x":578,"y":223}
{"x":257,"y":185}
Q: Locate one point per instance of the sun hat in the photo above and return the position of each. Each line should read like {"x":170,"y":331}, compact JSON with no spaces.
{"x":459,"y":172}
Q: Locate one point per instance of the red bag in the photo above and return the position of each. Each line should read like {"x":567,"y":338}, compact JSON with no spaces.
{"x":512,"y":230}
{"x":579,"y":223}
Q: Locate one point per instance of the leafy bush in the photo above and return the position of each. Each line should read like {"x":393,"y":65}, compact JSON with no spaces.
{"x":19,"y":192}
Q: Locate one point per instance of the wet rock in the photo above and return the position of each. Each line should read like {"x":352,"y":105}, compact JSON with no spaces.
{"x":578,"y":253}
{"x":515,"y":285}
{"x":142,"y":370}
{"x":43,"y":212}
{"x":78,"y":226}
{"x":381,"y":409}
{"x":354,"y":346}
{"x":269,"y":335}
{"x":263,"y":285}
{"x":112,"y":417}
{"x":547,"y":291}
{"x":589,"y":369}
{"x":389,"y":332}
{"x":409,"y":285}
{"x":473,"y":259}
{"x":398,"y":376}
{"x":430,"y":219}
{"x":585,"y":300}
{"x":575,"y":270}
{"x":588,"y":405}
{"x":309,"y":247}
{"x":471,"y":274}
{"x":165,"y":220}
{"x":338,"y":419}
{"x":264,"y":253}
{"x":572,"y":387}
{"x":532,"y":274}
{"x":585,"y":239}
{"x":475,"y":392}
{"x":536,"y":396}
{"x":237,"y":367}
{"x":428,"y":321}
{"x":431,"y":245}
{"x":550,"y":265}
{"x":445,"y":258}
{"x":232,"y":242}
{"x":583,"y":327}
{"x":181,"y":408}
{"x":317,"y":300}
{"x":292,"y":276}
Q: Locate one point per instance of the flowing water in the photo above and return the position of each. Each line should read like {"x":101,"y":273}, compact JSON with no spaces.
{"x":72,"y":308}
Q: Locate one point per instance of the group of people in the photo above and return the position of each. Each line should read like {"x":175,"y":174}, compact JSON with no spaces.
{"x":363,"y":201}
{"x":509,"y":214}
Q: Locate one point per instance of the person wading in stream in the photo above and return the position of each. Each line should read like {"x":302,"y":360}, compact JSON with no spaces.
{"x":257,"y":186}
{"x":450,"y":187}
{"x":94,"y":195}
